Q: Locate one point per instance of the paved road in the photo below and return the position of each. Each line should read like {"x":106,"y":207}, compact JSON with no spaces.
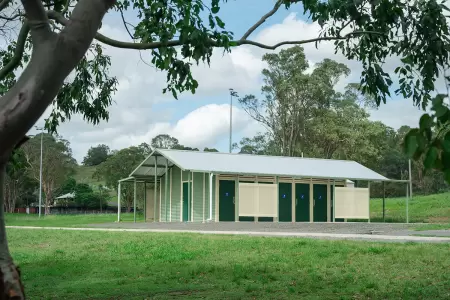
{"x":347,"y":231}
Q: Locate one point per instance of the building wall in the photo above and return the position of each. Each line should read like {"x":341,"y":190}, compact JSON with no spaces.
{"x":164,"y":208}
{"x":197,"y":197}
{"x":176,"y":194}
{"x":200,"y":195}
{"x":150,"y":213}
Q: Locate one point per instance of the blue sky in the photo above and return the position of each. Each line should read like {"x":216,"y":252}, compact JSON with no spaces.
{"x":140,"y":111}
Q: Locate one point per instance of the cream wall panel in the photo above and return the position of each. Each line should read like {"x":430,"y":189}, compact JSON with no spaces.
{"x":352,"y":203}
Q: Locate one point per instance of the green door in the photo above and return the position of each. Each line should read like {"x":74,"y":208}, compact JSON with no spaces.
{"x":226,"y":200}
{"x":301,"y":202}
{"x":320,"y":202}
{"x":284,"y":202}
{"x":186,"y":201}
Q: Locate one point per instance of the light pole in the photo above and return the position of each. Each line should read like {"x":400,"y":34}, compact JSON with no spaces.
{"x":40,"y":172}
{"x":233,"y":93}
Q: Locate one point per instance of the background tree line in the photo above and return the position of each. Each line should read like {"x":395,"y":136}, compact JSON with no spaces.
{"x":305,"y":115}
{"x":59,"y":170}
{"x":301,"y":108}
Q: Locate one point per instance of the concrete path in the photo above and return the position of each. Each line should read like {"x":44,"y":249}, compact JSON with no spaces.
{"x":317,"y":235}
{"x":397,"y":229}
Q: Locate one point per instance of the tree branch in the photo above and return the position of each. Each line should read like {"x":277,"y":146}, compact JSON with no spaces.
{"x":262,"y":20}
{"x":18,"y":52}
{"x":66,"y":7}
{"x":319,"y":39}
{"x":154,"y":45}
{"x":38,"y":21}
{"x":4,"y":4}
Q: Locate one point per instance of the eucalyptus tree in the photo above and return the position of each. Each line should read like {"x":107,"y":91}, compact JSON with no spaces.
{"x":56,"y":35}
{"x":292,"y":96}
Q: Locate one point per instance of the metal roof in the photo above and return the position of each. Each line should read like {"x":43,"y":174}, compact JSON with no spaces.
{"x":226,"y":163}
{"x":67,"y":196}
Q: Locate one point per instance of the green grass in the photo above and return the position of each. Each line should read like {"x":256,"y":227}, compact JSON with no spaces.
{"x":432,"y":227}
{"x":80,"y":220}
{"x":125,"y":265}
{"x":422,"y":209}
{"x":83,"y":174}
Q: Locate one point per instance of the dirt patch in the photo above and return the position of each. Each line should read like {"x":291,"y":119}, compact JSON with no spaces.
{"x":442,"y":219}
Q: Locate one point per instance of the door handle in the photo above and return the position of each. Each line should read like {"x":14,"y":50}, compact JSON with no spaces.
{"x":314,"y":202}
{"x":233,"y":201}
{"x":296,"y":200}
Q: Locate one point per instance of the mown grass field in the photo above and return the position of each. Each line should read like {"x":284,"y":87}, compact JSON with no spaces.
{"x":124,"y":265}
{"x":83,"y":174}
{"x":80,"y":220}
{"x":422,"y":209}
{"x":433,"y":209}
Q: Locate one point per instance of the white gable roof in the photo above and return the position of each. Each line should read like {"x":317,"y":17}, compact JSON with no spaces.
{"x":226,"y":163}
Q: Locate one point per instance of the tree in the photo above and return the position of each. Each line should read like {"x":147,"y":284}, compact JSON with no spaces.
{"x":292,"y":97}
{"x":181,"y":147}
{"x":260,"y":144}
{"x":17,"y":183}
{"x":145,"y":148}
{"x":68,"y":186}
{"x":57,"y":163}
{"x":344,"y":131}
{"x":210,"y":150}
{"x":119,"y":166}
{"x":366,"y":31}
{"x":86,"y":198}
{"x":96,"y":155}
{"x":164,"y":141}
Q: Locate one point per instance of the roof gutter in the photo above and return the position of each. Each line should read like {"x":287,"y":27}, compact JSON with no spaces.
{"x":300,"y":176}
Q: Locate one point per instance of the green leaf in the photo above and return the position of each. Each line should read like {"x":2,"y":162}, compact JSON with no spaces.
{"x":411,"y":143}
{"x":446,"y":142}
{"x":430,"y":157}
{"x":215,"y":9}
{"x":220,"y":23}
{"x":438,"y":100}
{"x":446,"y":160}
{"x":425,"y":122}
{"x":447,"y":175}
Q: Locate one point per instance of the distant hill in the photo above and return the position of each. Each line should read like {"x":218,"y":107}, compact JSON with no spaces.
{"x":83,"y":174}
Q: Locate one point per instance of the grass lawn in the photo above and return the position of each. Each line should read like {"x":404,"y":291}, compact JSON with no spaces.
{"x":83,"y":174}
{"x":422,"y":209}
{"x":426,"y":209}
{"x":432,"y":227}
{"x":124,"y":265}
{"x":80,"y":220}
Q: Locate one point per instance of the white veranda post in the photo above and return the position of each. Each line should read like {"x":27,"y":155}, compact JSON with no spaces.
{"x":134,"y":201}
{"x":210,"y":195}
{"x":118,"y":203}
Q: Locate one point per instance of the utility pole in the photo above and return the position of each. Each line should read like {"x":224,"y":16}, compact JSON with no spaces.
{"x":40,"y":172}
{"x":233,"y":93}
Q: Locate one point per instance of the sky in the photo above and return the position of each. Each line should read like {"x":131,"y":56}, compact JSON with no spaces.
{"x":141,"y":111}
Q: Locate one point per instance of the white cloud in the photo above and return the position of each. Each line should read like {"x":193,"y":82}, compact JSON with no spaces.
{"x":396,"y":113}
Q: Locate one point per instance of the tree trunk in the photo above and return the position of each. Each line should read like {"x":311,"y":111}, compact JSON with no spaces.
{"x":53,"y":57}
{"x":48,"y":198}
{"x":10,"y":285}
